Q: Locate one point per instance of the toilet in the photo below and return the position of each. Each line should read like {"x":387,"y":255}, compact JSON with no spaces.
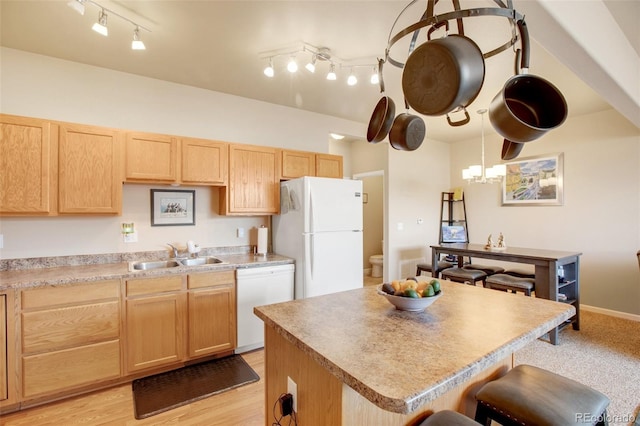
{"x":376,"y":262}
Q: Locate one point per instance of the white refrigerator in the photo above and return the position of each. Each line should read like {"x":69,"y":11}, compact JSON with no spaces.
{"x":320,"y":226}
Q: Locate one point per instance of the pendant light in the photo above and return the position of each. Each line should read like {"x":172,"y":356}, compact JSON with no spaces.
{"x":477,"y":173}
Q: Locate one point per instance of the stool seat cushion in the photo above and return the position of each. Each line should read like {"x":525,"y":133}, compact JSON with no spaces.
{"x":487,"y":269}
{"x":466,"y":274}
{"x":533,"y":396}
{"x":504,"y":281}
{"x":522,"y":273}
{"x":448,"y":418}
{"x":441,"y":265}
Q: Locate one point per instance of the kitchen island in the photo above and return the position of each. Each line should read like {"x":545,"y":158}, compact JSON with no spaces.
{"x":357,"y":360}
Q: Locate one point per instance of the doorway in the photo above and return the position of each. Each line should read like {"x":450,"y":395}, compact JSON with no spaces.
{"x":372,"y":220}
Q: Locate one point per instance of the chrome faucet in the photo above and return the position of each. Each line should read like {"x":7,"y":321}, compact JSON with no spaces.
{"x":175,"y":250}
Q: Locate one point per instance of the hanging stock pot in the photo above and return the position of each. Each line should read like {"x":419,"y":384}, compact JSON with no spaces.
{"x":443,"y":75}
{"x":527,"y":106}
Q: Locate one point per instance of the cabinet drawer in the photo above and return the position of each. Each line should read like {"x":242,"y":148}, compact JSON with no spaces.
{"x":70,"y":294}
{"x":71,"y":326}
{"x":210,"y":279}
{"x":54,"y":371}
{"x":154,"y":285}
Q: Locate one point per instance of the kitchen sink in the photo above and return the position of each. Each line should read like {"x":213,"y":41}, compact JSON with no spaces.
{"x":197,"y":261}
{"x":143,"y":266}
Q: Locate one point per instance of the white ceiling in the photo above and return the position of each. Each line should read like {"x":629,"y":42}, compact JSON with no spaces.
{"x":216,"y":45}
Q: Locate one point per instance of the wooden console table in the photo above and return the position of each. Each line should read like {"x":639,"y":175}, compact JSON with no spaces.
{"x":546,"y":262}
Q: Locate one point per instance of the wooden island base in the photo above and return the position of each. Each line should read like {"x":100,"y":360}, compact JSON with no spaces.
{"x":324,"y":399}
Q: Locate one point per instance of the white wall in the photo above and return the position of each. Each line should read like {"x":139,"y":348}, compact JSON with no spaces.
{"x":40,"y":86}
{"x":599,"y":217}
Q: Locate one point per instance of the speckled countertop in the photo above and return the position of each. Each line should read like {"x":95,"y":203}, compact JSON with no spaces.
{"x":47,"y":271}
{"x":401,"y":360}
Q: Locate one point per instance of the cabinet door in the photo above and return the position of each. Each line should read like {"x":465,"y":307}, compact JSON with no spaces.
{"x":4,"y":385}
{"x":254,"y":184}
{"x":151,"y":158}
{"x":212,"y":320}
{"x":28,"y":161}
{"x":329,"y":166}
{"x":155,"y":331}
{"x":90,"y":175}
{"x":204,"y":162}
{"x":296,"y":164}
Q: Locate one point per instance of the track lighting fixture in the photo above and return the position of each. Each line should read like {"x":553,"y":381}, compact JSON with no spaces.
{"x":77,"y":5}
{"x":101,"y":26}
{"x":332,"y":73}
{"x":268,"y":71}
{"x":137,"y":44}
{"x":375,"y":78}
{"x":292,"y":66}
{"x":311,"y":66}
{"x":314,"y":57}
{"x":352,"y":80}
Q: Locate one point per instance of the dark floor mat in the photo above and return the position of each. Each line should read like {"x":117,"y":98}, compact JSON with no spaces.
{"x":162,"y":392}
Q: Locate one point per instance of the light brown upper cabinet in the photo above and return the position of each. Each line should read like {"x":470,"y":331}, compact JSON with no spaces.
{"x":328,"y":165}
{"x":151,"y":158}
{"x":204,"y":162}
{"x":155,"y":158}
{"x":254,"y":181}
{"x":90,"y":172}
{"x":28,"y":166}
{"x":296,"y":164}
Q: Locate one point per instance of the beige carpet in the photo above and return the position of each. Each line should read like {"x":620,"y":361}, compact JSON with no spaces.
{"x":604,"y":354}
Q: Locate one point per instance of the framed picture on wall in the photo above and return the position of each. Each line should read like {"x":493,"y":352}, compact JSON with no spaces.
{"x":534,"y":181}
{"x":173,"y":208}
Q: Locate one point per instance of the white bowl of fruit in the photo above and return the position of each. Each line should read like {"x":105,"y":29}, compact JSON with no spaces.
{"x":411,"y":295}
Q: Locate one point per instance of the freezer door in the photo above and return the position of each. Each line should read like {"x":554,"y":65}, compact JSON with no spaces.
{"x":334,"y":263}
{"x":333,"y":205}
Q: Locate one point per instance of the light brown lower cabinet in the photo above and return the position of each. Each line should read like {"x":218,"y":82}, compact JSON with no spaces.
{"x":212,"y":313}
{"x":8,"y":373}
{"x":169,"y":322}
{"x":155,"y":322}
{"x":70,"y":337}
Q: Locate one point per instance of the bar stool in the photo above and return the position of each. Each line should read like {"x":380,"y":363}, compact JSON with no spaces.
{"x":463,"y":275}
{"x":448,"y":418}
{"x":511,"y":283}
{"x":529,"y":395}
{"x":522,"y":273}
{"x":442,"y":265}
{"x":489,"y":270}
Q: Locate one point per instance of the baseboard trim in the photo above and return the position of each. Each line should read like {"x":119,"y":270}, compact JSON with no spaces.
{"x":618,"y":314}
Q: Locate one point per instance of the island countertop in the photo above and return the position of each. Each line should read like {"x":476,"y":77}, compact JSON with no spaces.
{"x":402,"y":360}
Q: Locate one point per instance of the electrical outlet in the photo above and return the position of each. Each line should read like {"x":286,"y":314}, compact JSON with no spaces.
{"x":292,"y":388}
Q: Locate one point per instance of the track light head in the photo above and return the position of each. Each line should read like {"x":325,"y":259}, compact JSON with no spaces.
{"x":77,"y":5}
{"x":137,"y":44}
{"x":101,"y":26}
{"x":292,"y":66}
{"x":332,"y":73}
{"x":268,"y":71}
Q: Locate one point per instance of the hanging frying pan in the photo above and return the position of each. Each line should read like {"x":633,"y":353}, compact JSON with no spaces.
{"x":383,"y":114}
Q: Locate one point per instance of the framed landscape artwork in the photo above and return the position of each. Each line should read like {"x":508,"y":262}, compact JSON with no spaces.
{"x":173,"y":208}
{"x":534,"y":181}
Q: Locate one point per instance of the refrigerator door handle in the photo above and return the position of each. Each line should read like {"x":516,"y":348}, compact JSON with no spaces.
{"x":310,"y":260}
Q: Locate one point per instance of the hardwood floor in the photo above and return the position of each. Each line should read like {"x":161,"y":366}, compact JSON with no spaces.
{"x":242,"y":406}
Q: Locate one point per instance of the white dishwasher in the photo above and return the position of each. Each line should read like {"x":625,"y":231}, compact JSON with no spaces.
{"x":256,"y":287}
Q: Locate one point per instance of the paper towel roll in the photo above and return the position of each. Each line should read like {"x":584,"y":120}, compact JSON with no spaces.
{"x":263,"y":239}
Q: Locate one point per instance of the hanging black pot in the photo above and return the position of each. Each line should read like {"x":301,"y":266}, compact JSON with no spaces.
{"x":527,"y":106}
